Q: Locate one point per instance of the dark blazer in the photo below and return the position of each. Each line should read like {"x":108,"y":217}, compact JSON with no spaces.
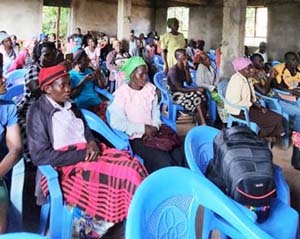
{"x":40,"y":137}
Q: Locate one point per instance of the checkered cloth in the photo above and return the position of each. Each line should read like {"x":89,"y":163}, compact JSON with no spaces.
{"x":102,"y":189}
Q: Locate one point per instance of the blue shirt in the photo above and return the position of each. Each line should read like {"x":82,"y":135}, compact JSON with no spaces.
{"x":8,"y":117}
{"x":87,"y":97}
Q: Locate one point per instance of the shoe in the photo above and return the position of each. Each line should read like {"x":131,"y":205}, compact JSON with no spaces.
{"x":296,"y":158}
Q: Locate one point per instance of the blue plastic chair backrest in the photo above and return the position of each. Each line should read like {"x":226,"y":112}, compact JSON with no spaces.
{"x":158,"y":59}
{"x":212,"y":55}
{"x":96,"y":124}
{"x":274,"y":63}
{"x":14,"y":93}
{"x":198,"y":146}
{"x":161,"y":82}
{"x":15,"y":78}
{"x":165,"y":207}
{"x":222,"y":87}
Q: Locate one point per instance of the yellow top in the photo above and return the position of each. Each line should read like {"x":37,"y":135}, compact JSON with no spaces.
{"x":171,"y":43}
{"x":284,"y":74}
{"x":239,"y":92}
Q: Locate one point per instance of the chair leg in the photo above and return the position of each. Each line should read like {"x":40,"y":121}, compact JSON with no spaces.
{"x":16,"y":191}
{"x":44,"y":217}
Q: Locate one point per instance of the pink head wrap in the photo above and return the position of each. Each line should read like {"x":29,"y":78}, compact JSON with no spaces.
{"x":240,"y":63}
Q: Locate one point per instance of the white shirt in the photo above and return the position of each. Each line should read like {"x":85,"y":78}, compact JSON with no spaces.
{"x":66,"y":128}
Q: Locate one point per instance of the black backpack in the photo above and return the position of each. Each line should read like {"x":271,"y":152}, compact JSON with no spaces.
{"x":243,"y":169}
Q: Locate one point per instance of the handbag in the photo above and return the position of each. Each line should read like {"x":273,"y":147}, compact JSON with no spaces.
{"x":166,"y":139}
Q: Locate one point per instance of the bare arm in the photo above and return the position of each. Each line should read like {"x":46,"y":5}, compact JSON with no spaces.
{"x":14,"y":145}
{"x":76,"y":90}
{"x":164,"y":54}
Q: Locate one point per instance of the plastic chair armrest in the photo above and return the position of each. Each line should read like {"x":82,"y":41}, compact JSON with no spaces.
{"x":272,"y":100}
{"x":281,"y":91}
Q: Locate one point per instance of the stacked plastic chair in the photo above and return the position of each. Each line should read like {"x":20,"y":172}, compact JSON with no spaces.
{"x":165,"y":207}
{"x":282,"y":221}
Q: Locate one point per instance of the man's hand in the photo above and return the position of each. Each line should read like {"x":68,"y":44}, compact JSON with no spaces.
{"x":92,"y":151}
{"x":150,"y":130}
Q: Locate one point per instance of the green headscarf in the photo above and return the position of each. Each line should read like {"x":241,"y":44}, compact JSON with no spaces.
{"x":131,"y":64}
{"x":171,"y":21}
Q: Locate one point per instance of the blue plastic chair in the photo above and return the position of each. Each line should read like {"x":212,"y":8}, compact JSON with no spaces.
{"x":104,"y":92}
{"x":222,"y":86}
{"x":159,"y":63}
{"x":6,"y":66}
{"x":160,"y":80}
{"x":60,"y":217}
{"x":274,"y":63}
{"x":15,"y":77}
{"x":282,"y":221}
{"x":282,"y":92}
{"x":22,"y":235}
{"x":165,"y":207}
{"x":212,"y":105}
{"x":14,"y":93}
{"x":273,"y":104}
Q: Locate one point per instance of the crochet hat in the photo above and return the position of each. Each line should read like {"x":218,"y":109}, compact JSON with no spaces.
{"x":50,"y":74}
{"x":131,"y":64}
{"x":3,"y":36}
{"x":240,"y":63}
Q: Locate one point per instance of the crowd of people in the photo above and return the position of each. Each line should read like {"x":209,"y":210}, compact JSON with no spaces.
{"x":58,"y":82}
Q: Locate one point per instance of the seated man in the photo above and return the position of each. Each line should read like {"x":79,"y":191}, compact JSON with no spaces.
{"x":288,"y":74}
{"x":240,"y":92}
{"x":10,"y":135}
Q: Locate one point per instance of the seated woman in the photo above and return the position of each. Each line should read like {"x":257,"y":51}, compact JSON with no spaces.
{"x":82,"y":83}
{"x":135,"y":111}
{"x":114,"y":60}
{"x":207,"y":78}
{"x":10,"y":135}
{"x":240,"y":91}
{"x":206,"y":74}
{"x":58,"y":135}
{"x":192,"y":99}
{"x":91,"y":52}
{"x":263,"y":83}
